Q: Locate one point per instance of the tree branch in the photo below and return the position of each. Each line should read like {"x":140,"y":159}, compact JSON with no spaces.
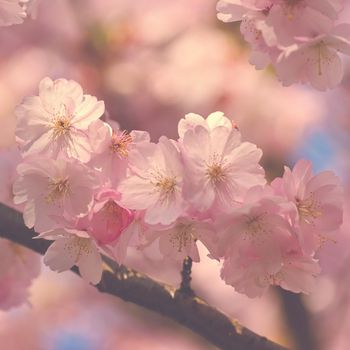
{"x":132,"y":286}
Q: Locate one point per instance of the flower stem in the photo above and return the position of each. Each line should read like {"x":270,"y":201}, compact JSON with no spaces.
{"x":185,"y":287}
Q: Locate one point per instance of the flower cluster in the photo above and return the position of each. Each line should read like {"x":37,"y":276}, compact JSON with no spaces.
{"x":93,"y":189}
{"x":300,"y":38}
{"x":15,"y":11}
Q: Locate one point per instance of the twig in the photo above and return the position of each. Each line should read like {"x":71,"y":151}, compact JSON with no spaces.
{"x":132,"y":286}
{"x":185,"y":287}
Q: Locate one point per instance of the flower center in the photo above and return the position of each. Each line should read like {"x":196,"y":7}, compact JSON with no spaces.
{"x":166,"y":185}
{"x":120,"y":143}
{"x":255,"y":226}
{"x":216,"y":173}
{"x":58,"y":189}
{"x":182,"y":235}
{"x":309,"y":209}
{"x":78,"y":246}
{"x":61,"y":122}
{"x":61,"y":126}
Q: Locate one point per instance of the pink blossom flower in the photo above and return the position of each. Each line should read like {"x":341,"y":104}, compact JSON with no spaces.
{"x":298,"y":273}
{"x":155,"y":182}
{"x":19,"y":266}
{"x":11,"y":12}
{"x":257,"y":221}
{"x":248,"y":269}
{"x":112,"y":147}
{"x":180,"y":239}
{"x":315,"y":60}
{"x":56,"y":122}
{"x":219,"y":167}
{"x":52,"y":190}
{"x":73,"y":247}
{"x":316,"y":203}
{"x":108,"y":219}
{"x":300,"y":19}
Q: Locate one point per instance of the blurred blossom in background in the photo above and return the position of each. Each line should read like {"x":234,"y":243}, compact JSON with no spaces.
{"x":153,"y":61}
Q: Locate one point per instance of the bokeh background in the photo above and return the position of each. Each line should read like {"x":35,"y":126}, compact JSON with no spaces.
{"x":153,"y":61}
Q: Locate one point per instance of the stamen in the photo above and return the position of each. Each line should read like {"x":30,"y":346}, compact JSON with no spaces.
{"x":61,"y":123}
{"x":78,"y":246}
{"x":166,"y":185}
{"x":215,"y":170}
{"x":256,"y":227}
{"x":182,"y":236}
{"x":309,"y":209}
{"x":58,"y":189}
{"x":120,"y":143}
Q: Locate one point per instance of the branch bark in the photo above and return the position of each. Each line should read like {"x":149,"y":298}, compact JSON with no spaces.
{"x":132,"y":286}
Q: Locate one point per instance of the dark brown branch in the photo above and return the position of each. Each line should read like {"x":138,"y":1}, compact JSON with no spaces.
{"x":129,"y":285}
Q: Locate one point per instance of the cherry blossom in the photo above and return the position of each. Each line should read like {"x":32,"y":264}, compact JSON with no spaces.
{"x":94,"y":189}
{"x":73,"y":247}
{"x":112,"y":147}
{"x":219,"y":167}
{"x":250,"y":271}
{"x":180,"y":239}
{"x":315,"y":60}
{"x":56,"y":122}
{"x":301,"y":39}
{"x":52,"y":190}
{"x":155,"y":182}
{"x":258,"y":221}
{"x":316,"y":203}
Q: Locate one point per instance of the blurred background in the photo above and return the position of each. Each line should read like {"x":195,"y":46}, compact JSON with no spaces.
{"x":153,"y":61}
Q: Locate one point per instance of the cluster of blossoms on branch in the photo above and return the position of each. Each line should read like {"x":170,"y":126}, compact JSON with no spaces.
{"x":15,"y":11}
{"x":92,"y":188}
{"x":300,"y":38}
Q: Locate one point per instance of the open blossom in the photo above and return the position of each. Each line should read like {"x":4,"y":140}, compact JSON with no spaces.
{"x":315,"y":60}
{"x":299,"y":271}
{"x":249,"y":272}
{"x":155,"y":182}
{"x":219,"y":167}
{"x":316,"y":203}
{"x":56,"y":122}
{"x":180,"y":239}
{"x":52,"y":190}
{"x":299,"y":38}
{"x":19,"y":266}
{"x":112,"y":147}
{"x":258,"y":221}
{"x":73,"y":247}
